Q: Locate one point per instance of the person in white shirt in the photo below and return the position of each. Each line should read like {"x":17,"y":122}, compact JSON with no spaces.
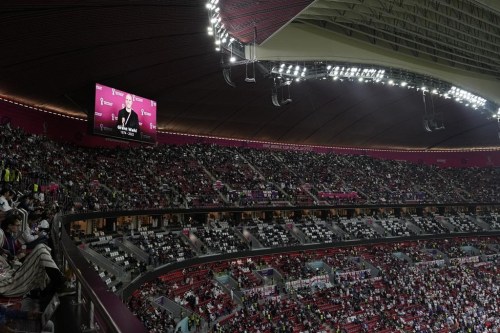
{"x":33,"y":235}
{"x":5,"y":198}
{"x":44,"y":227}
{"x":40,"y":196}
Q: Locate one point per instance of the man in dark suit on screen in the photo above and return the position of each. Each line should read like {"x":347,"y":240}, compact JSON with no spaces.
{"x":128,"y":121}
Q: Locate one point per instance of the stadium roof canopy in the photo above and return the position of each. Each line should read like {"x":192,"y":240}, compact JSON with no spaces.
{"x":54,"y":53}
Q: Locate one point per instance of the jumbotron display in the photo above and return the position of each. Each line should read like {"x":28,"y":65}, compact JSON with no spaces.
{"x":122,"y":115}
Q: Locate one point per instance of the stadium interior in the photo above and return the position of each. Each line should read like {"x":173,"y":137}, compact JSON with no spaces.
{"x":319,"y":166}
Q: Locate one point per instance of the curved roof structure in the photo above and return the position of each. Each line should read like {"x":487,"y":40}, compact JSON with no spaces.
{"x":53,"y":54}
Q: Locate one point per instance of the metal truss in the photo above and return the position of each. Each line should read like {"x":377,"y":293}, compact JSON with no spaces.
{"x":456,"y":33}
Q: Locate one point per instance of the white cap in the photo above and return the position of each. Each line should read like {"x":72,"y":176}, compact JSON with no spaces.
{"x":44,"y":224}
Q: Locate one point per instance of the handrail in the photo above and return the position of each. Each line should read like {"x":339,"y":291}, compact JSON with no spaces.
{"x":108,"y":306}
{"x":165,"y":269}
{"x":194,"y":210}
{"x":115,"y":314}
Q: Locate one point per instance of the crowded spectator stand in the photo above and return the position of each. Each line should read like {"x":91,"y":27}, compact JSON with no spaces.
{"x":67,"y":180}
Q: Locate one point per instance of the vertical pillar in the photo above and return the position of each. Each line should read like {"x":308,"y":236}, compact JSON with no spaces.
{"x":78,"y":292}
{"x":91,"y":315}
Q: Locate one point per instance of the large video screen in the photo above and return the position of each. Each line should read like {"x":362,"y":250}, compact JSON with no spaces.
{"x":122,"y":115}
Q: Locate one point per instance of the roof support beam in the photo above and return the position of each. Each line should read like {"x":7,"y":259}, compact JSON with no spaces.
{"x":413,"y":45}
{"x":320,"y":45}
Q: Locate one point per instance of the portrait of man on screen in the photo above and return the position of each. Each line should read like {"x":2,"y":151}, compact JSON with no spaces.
{"x":128,"y":121}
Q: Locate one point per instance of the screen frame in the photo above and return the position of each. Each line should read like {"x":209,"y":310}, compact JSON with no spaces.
{"x":111,"y":102}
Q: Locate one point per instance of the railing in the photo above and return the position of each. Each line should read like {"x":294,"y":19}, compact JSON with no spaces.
{"x":107,"y":311}
{"x":151,"y":275}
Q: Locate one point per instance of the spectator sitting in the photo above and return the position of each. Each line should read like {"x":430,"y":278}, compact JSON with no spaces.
{"x":11,"y":247}
{"x":5,"y":199}
{"x":33,"y":271}
{"x":26,"y":202}
{"x":32,"y":234}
